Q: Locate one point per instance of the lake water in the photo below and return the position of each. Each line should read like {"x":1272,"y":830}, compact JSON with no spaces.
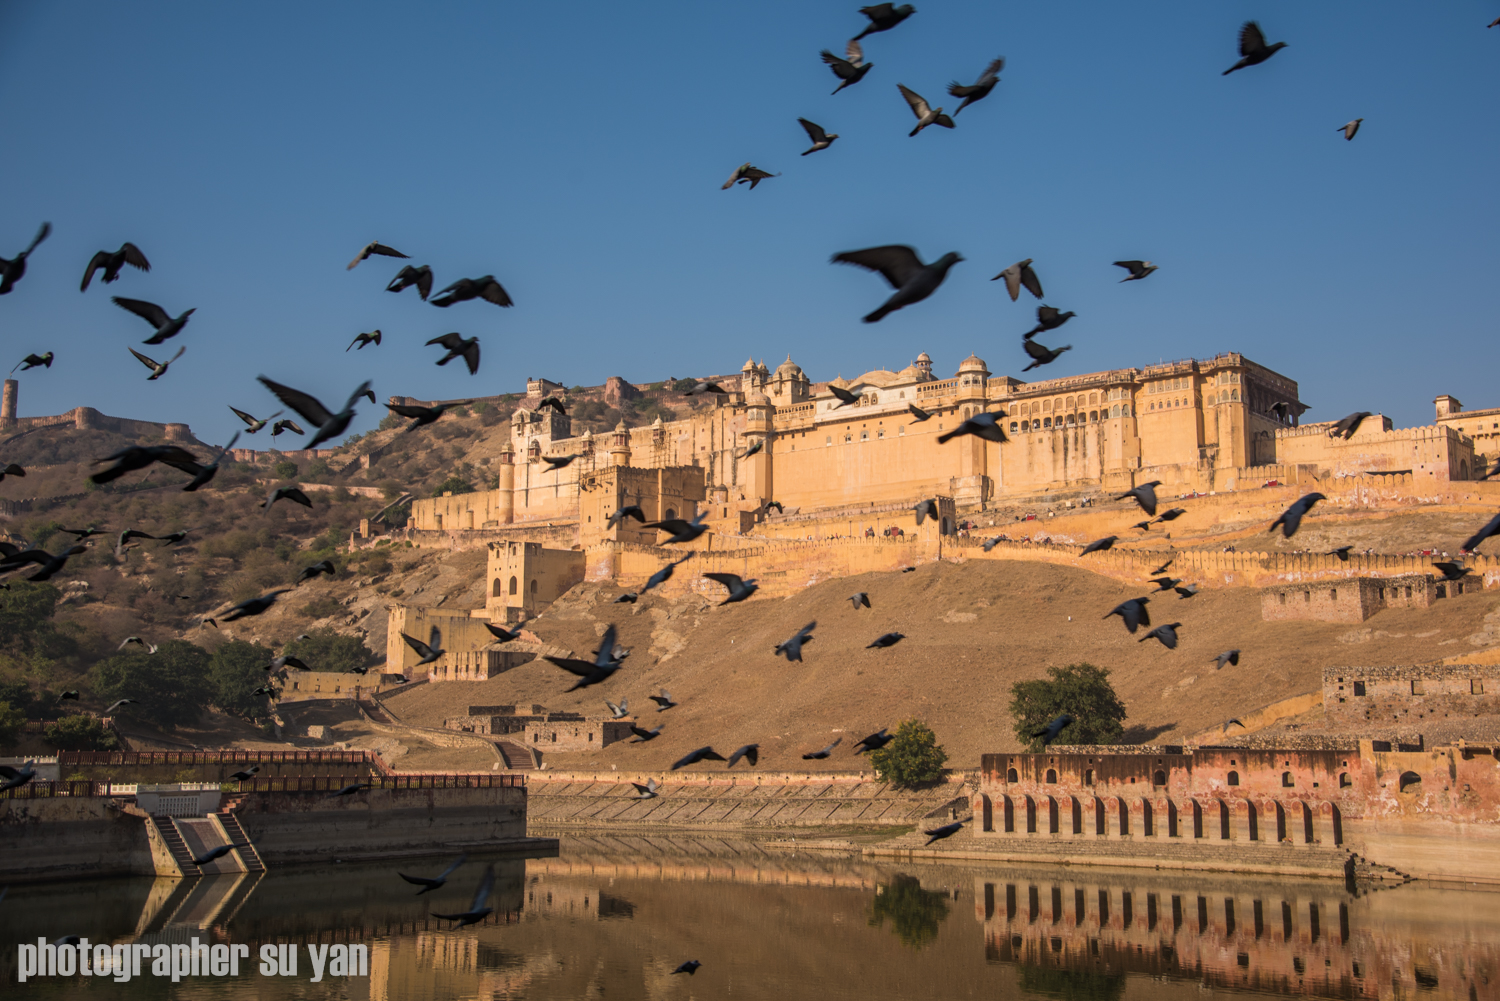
{"x":610,"y":918}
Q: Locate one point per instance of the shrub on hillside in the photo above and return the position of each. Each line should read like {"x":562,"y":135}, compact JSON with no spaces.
{"x":914,"y":757}
{"x":326,"y":650}
{"x":12,"y":721}
{"x":456,"y":484}
{"x":285,"y":469}
{"x":320,"y":608}
{"x":235,"y":670}
{"x":1082,"y":691}
{"x":79,"y":733}
{"x":170,"y":687}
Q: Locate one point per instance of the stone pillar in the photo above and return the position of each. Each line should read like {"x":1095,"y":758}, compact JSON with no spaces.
{"x":1163,"y":816}
{"x":755,"y":475}
{"x":505,"y":499}
{"x":1112,"y":818}
{"x":1138,"y":823}
{"x":8,"y":404}
{"x":177,"y":432}
{"x":1242,"y":820}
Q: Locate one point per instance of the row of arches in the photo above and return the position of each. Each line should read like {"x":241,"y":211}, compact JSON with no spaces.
{"x":1296,"y":822}
{"x":499,"y":590}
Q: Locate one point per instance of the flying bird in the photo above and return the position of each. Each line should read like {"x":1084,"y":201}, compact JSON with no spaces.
{"x":1099,"y":545}
{"x":1345,"y":428}
{"x":253,"y":606}
{"x":824,"y":753}
{"x":990,"y":544}
{"x":618,"y":711}
{"x":128,"y":253}
{"x":679,"y":530}
{"x":885,"y":640}
{"x":49,"y":564}
{"x":884,"y":17}
{"x":626,"y":511}
{"x":1492,"y":527}
{"x":874,"y":741}
{"x":1047,"y":318}
{"x":479,"y":909}
{"x":1133,"y":613}
{"x":1145,"y":496}
{"x":350,"y":789}
{"x":1281,"y":409}
{"x":792,"y":648}
{"x":163,"y":326}
{"x":739,"y":589}
{"x":844,"y":397}
{"x":1018,"y":276}
{"x":320,"y":567}
{"x":139,"y":457}
{"x":556,"y":462}
{"x":643,"y":735}
{"x":246,"y":775}
{"x":1167,"y":634}
{"x":946,"y":831}
{"x":554,"y":403}
{"x":647,"y":791}
{"x":746,"y":173}
{"x":423,"y":416}
{"x":457,"y":346}
{"x":286,"y":424}
{"x":926,"y":115}
{"x":158,"y":368}
{"x":70,"y":694}
{"x":329,"y":425}
{"x":83,"y":533}
{"x":663,"y":575}
{"x":486,"y":288}
{"x":429,"y":651}
{"x":978,"y":91}
{"x":408,"y":276}
{"x":1165,"y":584}
{"x":1163,"y":568}
{"x":254,"y":424}
{"x":1042,"y":355}
{"x":1349,"y":129}
{"x":12,"y":270}
{"x":1137,"y":269}
{"x":819,"y":138}
{"x":903,"y":269}
{"x":32,"y":361}
{"x":702,"y":388}
{"x":1342,"y":552}
{"x":281,"y":663}
{"x":203,"y":474}
{"x":373,"y":337}
{"x":118,"y":703}
{"x":374,"y":248}
{"x":17,"y":777}
{"x":1291,"y":519}
{"x":125,"y":537}
{"x":432,"y":883}
{"x":1253,"y":48}
{"x":750,"y":752}
{"x":663,"y":701}
{"x":918,"y":415}
{"x":1232,"y":722}
{"x":860,"y":598}
{"x":693,"y":757}
{"x":850,"y":70}
{"x":601,"y":668}
{"x":503,"y":635}
{"x":755,"y":446}
{"x":1453,"y":571}
{"x":1173,"y":514}
{"x":982,"y":425}
{"x":1187,"y":592}
{"x":690,"y":967}
{"x":213,"y":853}
{"x":1144,"y":526}
{"x":293,"y":494}
{"x":1048,"y":733}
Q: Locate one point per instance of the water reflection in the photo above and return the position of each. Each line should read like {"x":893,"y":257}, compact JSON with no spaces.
{"x":611,"y":917}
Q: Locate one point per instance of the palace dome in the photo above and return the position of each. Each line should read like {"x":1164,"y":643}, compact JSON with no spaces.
{"x":973,"y":363}
{"x":924,"y":357}
{"x":789,"y":370}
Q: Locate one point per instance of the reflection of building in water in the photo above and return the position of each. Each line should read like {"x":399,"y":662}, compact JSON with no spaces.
{"x":179,"y":909}
{"x":1291,"y":938}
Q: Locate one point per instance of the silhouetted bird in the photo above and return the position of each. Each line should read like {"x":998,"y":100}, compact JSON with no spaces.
{"x":373,"y":337}
{"x":1349,"y":129}
{"x":824,"y":753}
{"x":982,"y":425}
{"x":647,"y":791}
{"x":992,"y":543}
{"x":128,"y":253}
{"x":926,"y":115}
{"x":83,"y":533}
{"x":1018,"y":276}
{"x":163,"y":326}
{"x":792,"y":648}
{"x":1042,"y":355}
{"x":1281,"y":409}
{"x":313,"y":570}
{"x":1048,"y":733}
{"x":408,"y":276}
{"x":12,"y":270}
{"x":1047,"y":318}
{"x":1342,"y":552}
{"x":679,"y":530}
{"x":859,"y":599}
{"x":693,"y":757}
{"x":32,"y":361}
{"x":690,"y":967}
{"x":885,"y":640}
{"x":663,"y":701}
{"x":429,"y":651}
{"x":253,"y":424}
{"x":376,"y":248}
{"x":844,"y":397}
{"x":702,"y":388}
{"x":486,"y":288}
{"x":626,"y":511}
{"x":329,"y":425}
{"x":1167,"y":634}
{"x":1145,"y":496}
{"x":1227,"y":657}
{"x":553,"y":403}
{"x":1099,"y":545}
{"x":1165,"y":583}
{"x":213,"y":853}
{"x":422,"y":416}
{"x":926,"y":509}
{"x":286,"y":424}
{"x":434,"y":882}
{"x":125,"y":537}
{"x":1144,"y":526}
{"x":1253,"y":48}
{"x":946,"y":831}
{"x":643,"y":735}
{"x":1291,"y":519}
{"x":755,"y":446}
{"x":11,"y":469}
{"x":479,"y":909}
{"x":1492,"y":527}
{"x":850,"y":70}
{"x":739,"y":589}
{"x":17,"y":777}
{"x":158,"y":368}
{"x":1137,"y":269}
{"x":1453,"y":571}
{"x":1345,"y":428}
{"x":1132,"y":612}
{"x":884,"y":17}
{"x":293,"y":494}
{"x":1163,"y":568}
{"x":203,"y":474}
{"x":246,"y":775}
{"x":1173,"y":514}
{"x":71,"y":694}
{"x":903,"y":269}
{"x":459,"y":346}
{"x":820,"y":139}
{"x":978,"y":91}
{"x":118,"y":703}
{"x":663,"y":575}
{"x":618,"y":711}
{"x":918,"y":415}
{"x":750,"y":752}
{"x":139,"y":457}
{"x":874,"y":742}
{"x":745,"y":173}
{"x":253,"y":606}
{"x":503,"y":635}
{"x":601,"y":668}
{"x":1186,"y":592}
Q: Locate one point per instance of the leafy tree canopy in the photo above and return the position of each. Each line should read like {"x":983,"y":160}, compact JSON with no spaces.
{"x":26,"y":613}
{"x":235,"y":670}
{"x":912,"y":758}
{"x":12,"y":721}
{"x":914,"y":913}
{"x":1082,"y":691}
{"x":80,"y":733}
{"x":457,"y":484}
{"x":326,"y":650}
{"x":170,"y":687}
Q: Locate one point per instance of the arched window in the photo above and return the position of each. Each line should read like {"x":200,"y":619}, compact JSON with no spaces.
{"x":1093,"y":416}
{"x":1286,"y":780}
{"x":1411,"y":782}
{"x":1114,"y":411}
{"x":495,"y":590}
{"x":1051,"y":775}
{"x":1046,"y":422}
{"x":1012,"y":427}
{"x":668,"y":513}
{"x":1234,"y":778}
{"x":1011,"y":776}
{"x":512,"y":585}
{"x":533,"y":588}
{"x":1159,"y":778}
{"x":1344,"y":782}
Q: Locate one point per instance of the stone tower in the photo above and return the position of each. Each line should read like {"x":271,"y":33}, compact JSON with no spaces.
{"x":8,"y":404}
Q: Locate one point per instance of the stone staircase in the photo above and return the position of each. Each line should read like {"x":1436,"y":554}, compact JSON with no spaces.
{"x":230,"y":823}
{"x":376,"y":712}
{"x":171,"y":838}
{"x":517,"y":758}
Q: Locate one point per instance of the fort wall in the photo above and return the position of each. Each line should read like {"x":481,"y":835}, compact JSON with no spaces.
{"x":1372,"y":696}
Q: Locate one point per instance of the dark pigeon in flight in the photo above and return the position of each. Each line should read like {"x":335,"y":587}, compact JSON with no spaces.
{"x":1253,"y":48}
{"x":1133,"y":613}
{"x":978,"y":91}
{"x":1048,"y":733}
{"x":1291,"y":519}
{"x":900,"y":266}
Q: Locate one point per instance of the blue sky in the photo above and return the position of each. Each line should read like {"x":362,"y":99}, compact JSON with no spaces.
{"x":576,"y":151}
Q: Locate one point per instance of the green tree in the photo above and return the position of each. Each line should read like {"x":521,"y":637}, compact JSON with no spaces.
{"x":12,"y":721}
{"x":1082,"y":691}
{"x":285,"y":469}
{"x":326,"y":650}
{"x":26,"y":612}
{"x":912,"y":758}
{"x":79,"y":733}
{"x":914,"y":913}
{"x":170,"y":687}
{"x":457,"y":484}
{"x":390,"y":420}
{"x":235,"y":670}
